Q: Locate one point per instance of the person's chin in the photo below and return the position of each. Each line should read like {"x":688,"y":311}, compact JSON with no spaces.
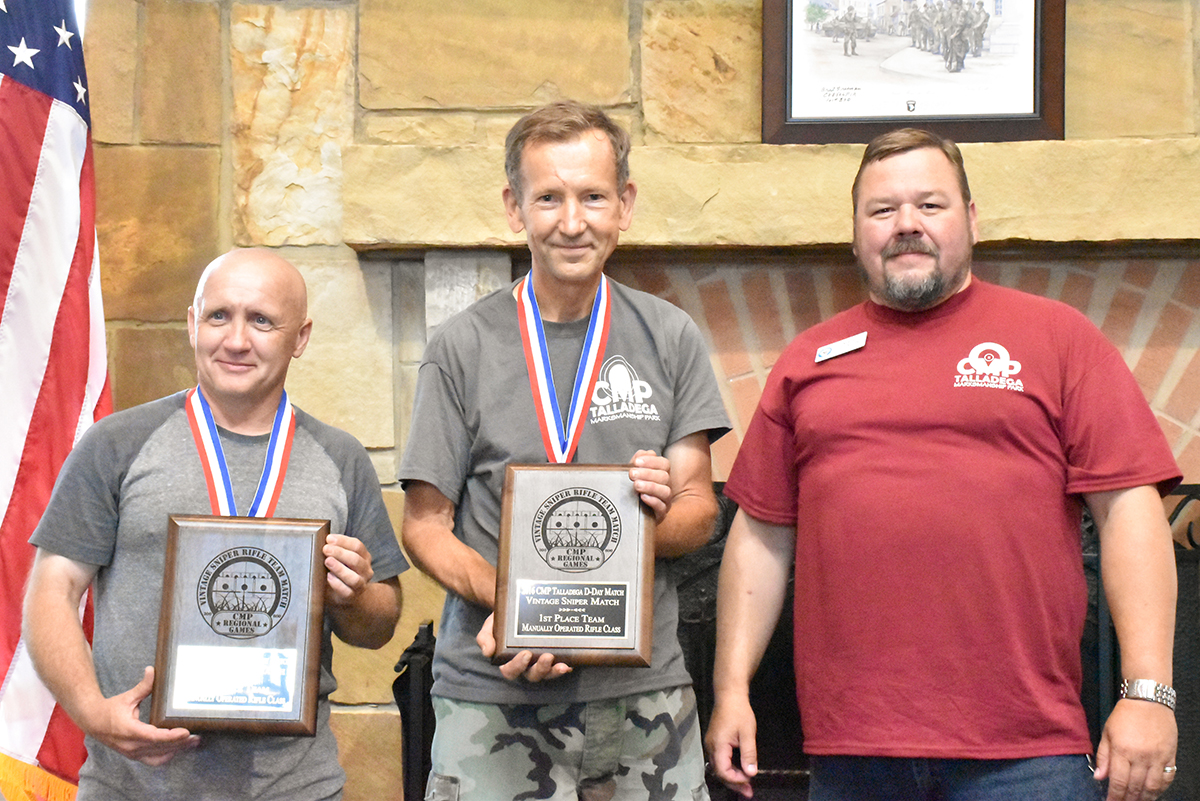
{"x":582,"y":269}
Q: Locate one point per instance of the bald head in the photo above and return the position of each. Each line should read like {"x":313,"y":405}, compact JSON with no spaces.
{"x":268,"y":265}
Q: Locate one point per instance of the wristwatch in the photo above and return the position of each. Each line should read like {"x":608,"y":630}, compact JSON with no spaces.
{"x":1149,"y":690}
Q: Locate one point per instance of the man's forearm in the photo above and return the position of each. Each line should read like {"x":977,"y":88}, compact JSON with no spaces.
{"x":370,"y":621}
{"x":57,"y":645}
{"x":428,"y":537}
{"x":687,"y":526}
{"x":751,"y":590}
{"x":1138,"y":568}
{"x":688,"y":520}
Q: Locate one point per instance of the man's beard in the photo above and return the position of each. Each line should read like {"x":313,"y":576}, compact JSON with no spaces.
{"x":913,"y":294}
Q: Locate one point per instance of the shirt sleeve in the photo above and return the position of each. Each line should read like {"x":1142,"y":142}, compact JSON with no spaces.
{"x":763,"y":480}
{"x":438,"y":437}
{"x":368,"y":520}
{"x":1111,"y":437}
{"x":698,"y":405}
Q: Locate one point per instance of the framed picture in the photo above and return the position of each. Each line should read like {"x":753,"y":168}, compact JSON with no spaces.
{"x":242,"y":620}
{"x":970,"y":70}
{"x":576,"y":571}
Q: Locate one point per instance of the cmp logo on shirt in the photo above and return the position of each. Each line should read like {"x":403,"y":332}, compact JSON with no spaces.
{"x":989,"y":365}
{"x":620,"y":394}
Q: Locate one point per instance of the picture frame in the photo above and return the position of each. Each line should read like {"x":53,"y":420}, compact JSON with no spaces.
{"x":575,"y":575}
{"x":241,"y":625}
{"x":815,"y":92}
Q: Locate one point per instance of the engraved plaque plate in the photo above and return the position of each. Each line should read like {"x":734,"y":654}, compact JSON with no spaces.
{"x":576,"y":570}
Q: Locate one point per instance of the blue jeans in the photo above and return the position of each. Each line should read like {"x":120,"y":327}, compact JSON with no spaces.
{"x":1054,"y":778}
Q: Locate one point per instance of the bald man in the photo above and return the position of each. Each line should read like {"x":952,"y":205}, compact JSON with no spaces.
{"x":107,"y":523}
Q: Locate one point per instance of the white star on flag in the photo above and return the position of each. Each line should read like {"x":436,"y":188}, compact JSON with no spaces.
{"x":64,"y":36}
{"x":80,"y":90}
{"x":23,"y":54}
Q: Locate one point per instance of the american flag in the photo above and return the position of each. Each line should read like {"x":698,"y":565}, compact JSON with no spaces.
{"x":53,"y":378}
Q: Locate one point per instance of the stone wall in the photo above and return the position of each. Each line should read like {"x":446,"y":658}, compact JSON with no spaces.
{"x":364,"y":139}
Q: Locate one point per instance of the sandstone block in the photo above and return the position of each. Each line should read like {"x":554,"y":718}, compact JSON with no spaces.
{"x":156,"y":217}
{"x":386,"y":464}
{"x":779,"y":195}
{"x":456,"y":54}
{"x":180,"y":91}
{"x":449,"y":129}
{"x":148,"y":363}
{"x":110,"y":48}
{"x":345,"y":375}
{"x":740,"y":194}
{"x":369,"y":751}
{"x":1085,"y":190}
{"x":702,"y":70}
{"x":497,"y":126}
{"x":424,"y":196}
{"x":293,"y":109}
{"x":1130,"y":69}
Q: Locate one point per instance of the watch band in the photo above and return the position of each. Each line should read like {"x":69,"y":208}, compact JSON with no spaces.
{"x":1149,"y":690}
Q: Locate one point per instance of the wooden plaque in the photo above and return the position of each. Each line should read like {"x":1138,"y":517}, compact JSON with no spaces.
{"x":576,"y":571}
{"x":242,"y":620}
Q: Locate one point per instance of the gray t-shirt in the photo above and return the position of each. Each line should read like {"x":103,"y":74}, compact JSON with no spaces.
{"x":110,"y":506}
{"x":474,"y":414}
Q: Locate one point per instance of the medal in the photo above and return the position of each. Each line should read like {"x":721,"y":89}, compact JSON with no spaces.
{"x":560,"y":443}
{"x":212,"y":457}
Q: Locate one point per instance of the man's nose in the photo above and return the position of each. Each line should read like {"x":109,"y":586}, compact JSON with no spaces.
{"x":236,"y":335}
{"x":907,"y":219}
{"x":572,"y":221}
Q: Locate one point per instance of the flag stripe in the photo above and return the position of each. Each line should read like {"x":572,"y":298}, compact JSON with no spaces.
{"x":24,"y":113}
{"x":25,"y":709}
{"x":39,"y":277}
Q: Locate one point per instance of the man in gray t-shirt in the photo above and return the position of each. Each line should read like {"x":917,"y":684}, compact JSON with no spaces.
{"x":105,"y":526}
{"x":536,"y":727}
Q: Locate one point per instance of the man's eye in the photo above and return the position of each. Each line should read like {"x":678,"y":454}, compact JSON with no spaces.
{"x":262,"y":322}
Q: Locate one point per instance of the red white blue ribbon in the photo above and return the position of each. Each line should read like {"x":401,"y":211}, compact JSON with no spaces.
{"x":216,"y":472}
{"x":560,"y":442}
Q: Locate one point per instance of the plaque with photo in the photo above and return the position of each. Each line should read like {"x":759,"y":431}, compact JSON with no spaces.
{"x":575,"y":576}
{"x":240,"y":631}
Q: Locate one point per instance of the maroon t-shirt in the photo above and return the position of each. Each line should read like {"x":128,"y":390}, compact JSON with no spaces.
{"x":932,"y":474}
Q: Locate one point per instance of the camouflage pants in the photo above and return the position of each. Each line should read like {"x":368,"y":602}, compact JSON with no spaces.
{"x":644,"y":746}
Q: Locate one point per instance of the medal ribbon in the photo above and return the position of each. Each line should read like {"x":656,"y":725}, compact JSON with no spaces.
{"x":560,"y":444}
{"x":212,"y":457}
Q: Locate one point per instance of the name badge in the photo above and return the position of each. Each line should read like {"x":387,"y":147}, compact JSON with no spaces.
{"x":841,"y":346}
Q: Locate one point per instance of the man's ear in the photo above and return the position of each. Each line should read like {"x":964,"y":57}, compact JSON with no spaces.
{"x":302,"y":338}
{"x":628,"y":196}
{"x":512,"y":210}
{"x":192,"y":326}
